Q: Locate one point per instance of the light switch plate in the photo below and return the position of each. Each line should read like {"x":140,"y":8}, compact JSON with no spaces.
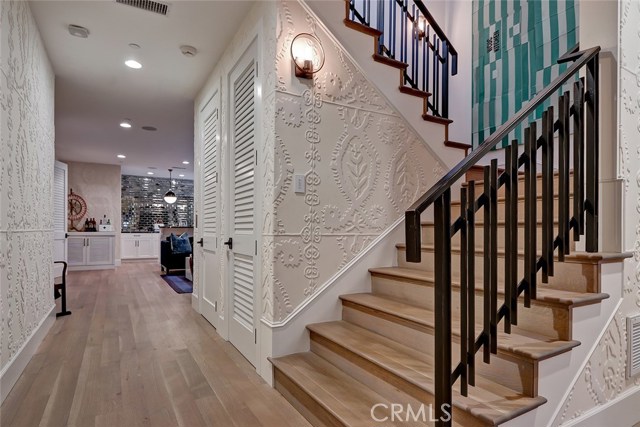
{"x":298,"y":184}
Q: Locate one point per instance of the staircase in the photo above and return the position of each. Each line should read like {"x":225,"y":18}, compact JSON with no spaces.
{"x":454,"y":332}
{"x":382,"y":351}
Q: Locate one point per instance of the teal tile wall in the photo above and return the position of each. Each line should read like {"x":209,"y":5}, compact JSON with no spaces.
{"x":515,"y":48}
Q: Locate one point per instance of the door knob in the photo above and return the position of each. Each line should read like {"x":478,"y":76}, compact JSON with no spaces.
{"x":229,"y":243}
{"x":200,"y":242}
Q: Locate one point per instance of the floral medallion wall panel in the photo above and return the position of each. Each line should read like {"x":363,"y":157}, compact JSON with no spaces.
{"x":26,"y":173}
{"x":604,"y":376}
{"x":363,"y":165}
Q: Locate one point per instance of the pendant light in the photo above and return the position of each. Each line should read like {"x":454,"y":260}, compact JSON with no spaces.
{"x":170,"y":196}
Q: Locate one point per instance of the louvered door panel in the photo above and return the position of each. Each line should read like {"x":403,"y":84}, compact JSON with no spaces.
{"x":242,"y":129}
{"x":244,"y":150}
{"x":210,"y":170}
{"x":60,"y":204}
{"x":243,"y":290}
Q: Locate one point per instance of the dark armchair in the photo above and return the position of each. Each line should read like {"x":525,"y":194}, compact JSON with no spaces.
{"x":170,"y":261}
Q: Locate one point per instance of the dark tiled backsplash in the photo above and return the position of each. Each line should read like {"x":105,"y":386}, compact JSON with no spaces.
{"x":143,"y":203}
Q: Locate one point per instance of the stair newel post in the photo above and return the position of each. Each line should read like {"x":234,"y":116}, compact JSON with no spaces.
{"x":578,"y":161}
{"x":471,"y":281}
{"x":445,"y":79}
{"x":443,"y":374}
{"x":487,"y":306}
{"x":592,"y":150}
{"x":532,"y":190}
{"x":493,"y":255}
{"x":548,"y":189}
{"x":508,"y":249}
{"x":464,"y":296}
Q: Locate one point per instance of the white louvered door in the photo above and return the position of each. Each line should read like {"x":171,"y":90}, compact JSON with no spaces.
{"x":210,"y":265}
{"x":60,"y":206}
{"x":242,"y":321}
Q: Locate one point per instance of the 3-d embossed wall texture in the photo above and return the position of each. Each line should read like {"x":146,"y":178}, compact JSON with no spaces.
{"x":604,"y":377}
{"x":26,"y":173}
{"x":363,"y":166}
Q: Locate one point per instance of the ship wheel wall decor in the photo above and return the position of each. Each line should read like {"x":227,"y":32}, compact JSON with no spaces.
{"x":77,"y":208}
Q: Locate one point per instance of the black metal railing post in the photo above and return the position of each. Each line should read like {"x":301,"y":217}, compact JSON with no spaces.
{"x":442,"y":300}
{"x":592,"y":157}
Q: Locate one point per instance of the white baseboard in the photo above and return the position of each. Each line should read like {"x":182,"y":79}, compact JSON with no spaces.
{"x":622,"y":411}
{"x":195,"y":302}
{"x":10,"y":374}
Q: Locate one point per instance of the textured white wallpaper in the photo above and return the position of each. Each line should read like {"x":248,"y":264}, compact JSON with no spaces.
{"x":604,"y":377}
{"x":26,"y":173}
{"x":363,"y":166}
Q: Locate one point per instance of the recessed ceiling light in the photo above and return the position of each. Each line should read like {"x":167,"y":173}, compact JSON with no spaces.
{"x":149,"y":173}
{"x":185,"y":163}
{"x":150,"y":128}
{"x":126,"y":123}
{"x":134,"y":45}
{"x":131,"y":63}
{"x":78,"y":31}
{"x":181,"y":176}
{"x":121,"y":156}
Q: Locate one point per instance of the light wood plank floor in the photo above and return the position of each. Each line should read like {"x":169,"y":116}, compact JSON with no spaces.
{"x":134,"y":353}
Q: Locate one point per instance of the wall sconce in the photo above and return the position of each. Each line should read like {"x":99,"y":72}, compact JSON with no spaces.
{"x":422,"y":27}
{"x":307,"y":55}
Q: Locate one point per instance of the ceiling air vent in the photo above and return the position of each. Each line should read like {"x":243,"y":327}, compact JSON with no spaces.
{"x":148,"y":5}
{"x":633,"y":335}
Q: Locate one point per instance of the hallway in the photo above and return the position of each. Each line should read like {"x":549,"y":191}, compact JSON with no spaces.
{"x":134,"y":353}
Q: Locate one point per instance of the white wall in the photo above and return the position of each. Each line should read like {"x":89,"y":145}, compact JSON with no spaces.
{"x":362,"y":162}
{"x":26,"y":189}
{"x":603,"y":380}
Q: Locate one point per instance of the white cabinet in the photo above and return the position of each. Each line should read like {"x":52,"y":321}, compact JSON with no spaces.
{"x":140,"y":245}
{"x":91,"y":251}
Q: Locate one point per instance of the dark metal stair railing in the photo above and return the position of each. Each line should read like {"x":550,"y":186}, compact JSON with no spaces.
{"x":410,"y":34}
{"x":575,"y":121}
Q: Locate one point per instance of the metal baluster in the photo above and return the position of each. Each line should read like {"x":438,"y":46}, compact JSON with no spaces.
{"x":562,"y":197}
{"x":464,"y":254}
{"x":381,"y":26}
{"x":443,"y":385}
{"x":487,"y":265}
{"x":592,"y":147}
{"x":513,"y":208}
{"x":392,"y":35}
{"x":493,"y":255}
{"x":547,"y":198}
{"x":565,"y":178}
{"x":471,"y":281}
{"x":508,"y":250}
{"x":367,"y":8}
{"x":578,"y":158}
{"x":414,"y":48}
{"x":532,"y":191}
{"x":445,"y":79}
{"x":528,"y":177}
{"x":403,"y":33}
{"x":549,"y":190}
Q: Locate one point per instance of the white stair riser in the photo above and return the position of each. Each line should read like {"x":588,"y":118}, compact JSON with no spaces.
{"x":503,"y":369}
{"x":545,"y":319}
{"x":569,"y":276}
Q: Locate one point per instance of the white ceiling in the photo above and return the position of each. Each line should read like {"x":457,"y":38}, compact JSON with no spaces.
{"x":95,"y":91}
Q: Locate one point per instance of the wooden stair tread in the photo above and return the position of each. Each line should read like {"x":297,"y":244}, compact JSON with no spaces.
{"x":435,"y":119}
{"x":544,"y":294}
{"x":490,"y":401}
{"x":415,"y":92}
{"x":456,"y":144}
{"x":574,"y":257}
{"x":569,"y":298}
{"x":530,"y":346}
{"x":337,"y":392}
{"x":362,"y":28}
{"x":389,"y":61}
